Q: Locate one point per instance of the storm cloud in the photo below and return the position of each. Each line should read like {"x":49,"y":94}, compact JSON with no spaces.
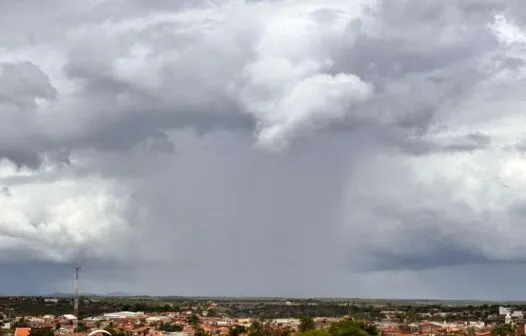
{"x":309,"y":148}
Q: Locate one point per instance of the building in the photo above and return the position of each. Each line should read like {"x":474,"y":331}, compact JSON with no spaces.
{"x":22,"y":331}
{"x":157,"y":319}
{"x":122,"y":315}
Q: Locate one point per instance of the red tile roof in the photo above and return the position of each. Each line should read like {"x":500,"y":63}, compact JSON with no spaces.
{"x":22,"y":331}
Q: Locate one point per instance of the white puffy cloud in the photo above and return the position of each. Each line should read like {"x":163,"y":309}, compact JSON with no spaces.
{"x":52,"y":214}
{"x":257,"y":63}
{"x":459,"y":202}
{"x":456,"y":207}
{"x":309,"y":104}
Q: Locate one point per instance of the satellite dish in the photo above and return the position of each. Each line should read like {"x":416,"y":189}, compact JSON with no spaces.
{"x":100,"y":331}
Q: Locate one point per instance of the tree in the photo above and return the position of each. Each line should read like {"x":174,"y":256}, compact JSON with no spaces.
{"x":41,"y":332}
{"x":352,"y":328}
{"x":306,"y":323}
{"x":502,"y":329}
{"x":116,"y":332}
{"x":236,"y":330}
{"x":81,"y":327}
{"x":256,"y":329}
{"x":170,"y":327}
{"x":199,"y":331}
{"x":193,"y":320}
{"x":110,"y":329}
{"x":212,"y":312}
{"x":314,"y":332}
{"x":22,"y":323}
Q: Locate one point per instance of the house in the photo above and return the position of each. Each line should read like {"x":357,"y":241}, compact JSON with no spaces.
{"x":22,"y":331}
{"x":432,"y":328}
{"x":389,"y":331}
{"x":67,"y":319}
{"x":35,"y":322}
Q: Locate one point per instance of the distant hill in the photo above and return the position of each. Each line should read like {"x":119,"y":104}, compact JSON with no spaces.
{"x":120,"y":294}
{"x":112,"y":294}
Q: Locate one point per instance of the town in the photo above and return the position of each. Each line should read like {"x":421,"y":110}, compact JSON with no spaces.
{"x":33,"y":316}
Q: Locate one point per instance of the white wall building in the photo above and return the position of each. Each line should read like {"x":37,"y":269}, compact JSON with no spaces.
{"x":122,"y":314}
{"x":476,"y":324}
{"x":69,"y":317}
{"x":156,"y":319}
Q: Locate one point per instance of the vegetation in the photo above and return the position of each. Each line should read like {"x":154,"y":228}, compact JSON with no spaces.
{"x":256,"y":329}
{"x":503,"y":329}
{"x":170,"y":327}
{"x":236,"y":330}
{"x":263,"y":308}
{"x":314,"y":332}
{"x":306,"y":323}
{"x":22,"y":323}
{"x":260,"y":329}
{"x":346,"y":327}
{"x":116,"y":332}
{"x":41,"y":332}
{"x":80,"y":327}
{"x":193,"y":320}
{"x":199,"y":331}
{"x":352,"y":328}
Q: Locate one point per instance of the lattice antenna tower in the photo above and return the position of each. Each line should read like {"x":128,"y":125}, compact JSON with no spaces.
{"x":76,"y":299}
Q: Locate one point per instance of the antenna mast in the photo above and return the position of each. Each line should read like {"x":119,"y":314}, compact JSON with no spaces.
{"x":76,"y":299}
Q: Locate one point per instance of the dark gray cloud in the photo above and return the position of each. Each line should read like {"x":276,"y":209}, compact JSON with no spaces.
{"x":257,"y":141}
{"x":23,"y":82}
{"x":22,"y":157}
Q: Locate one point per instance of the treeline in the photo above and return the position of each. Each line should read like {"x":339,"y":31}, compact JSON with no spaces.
{"x":38,"y":306}
{"x":369,"y":312}
{"x":264,"y":309}
{"x":268,"y":311}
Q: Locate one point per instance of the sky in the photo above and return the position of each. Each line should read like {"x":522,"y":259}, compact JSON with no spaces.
{"x":299,"y":148}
